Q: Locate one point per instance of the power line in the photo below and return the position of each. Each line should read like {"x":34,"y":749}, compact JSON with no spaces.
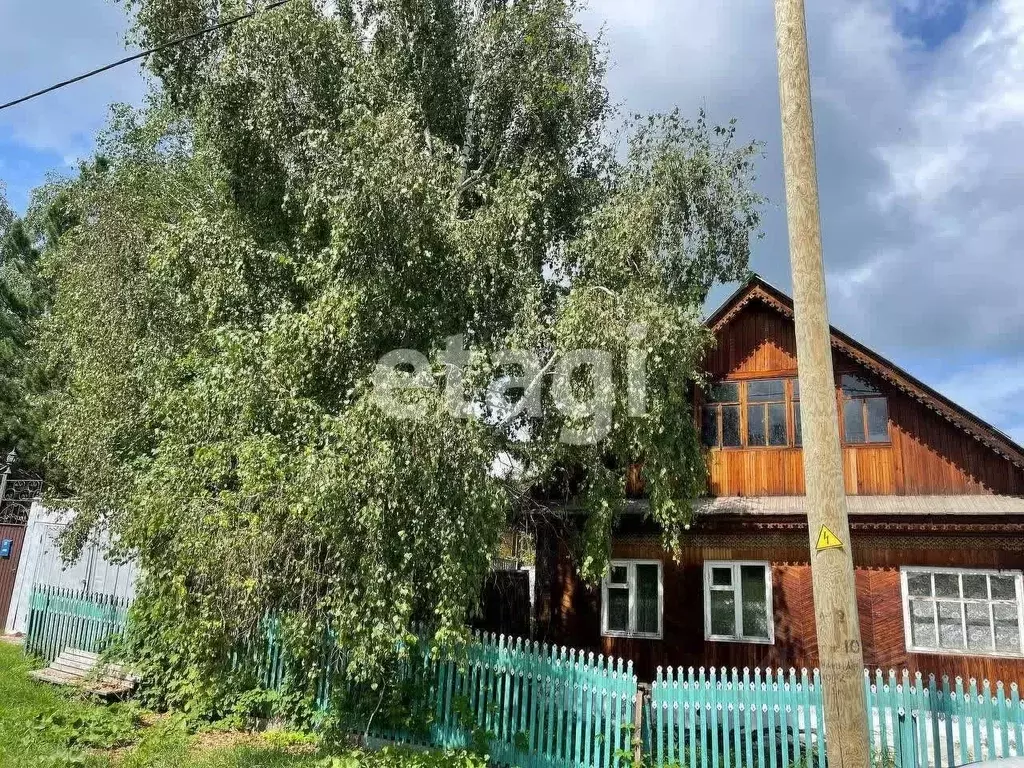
{"x":143,"y":54}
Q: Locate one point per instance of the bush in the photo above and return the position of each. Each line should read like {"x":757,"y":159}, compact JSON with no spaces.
{"x":405,"y":758}
{"x":106,"y":728}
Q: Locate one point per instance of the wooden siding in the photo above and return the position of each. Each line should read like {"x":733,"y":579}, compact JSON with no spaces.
{"x":926,"y":455}
{"x":569,"y":611}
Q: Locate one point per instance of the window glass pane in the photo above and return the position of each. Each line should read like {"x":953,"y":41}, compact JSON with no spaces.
{"x":753,"y":594}
{"x":853,"y":421}
{"x":647,"y":618}
{"x":768,"y":390}
{"x":854,"y":386}
{"x":724,"y":392}
{"x":709,"y":426}
{"x":796,"y":389}
{"x":797,"y":433}
{"x":919,"y":584}
{"x":723,"y":613}
{"x":1007,"y":629}
{"x":951,"y":628}
{"x":878,"y":420}
{"x":721,"y":576}
{"x":730,"y":425}
{"x":1002,"y":588}
{"x":979,"y":630}
{"x":619,"y":575}
{"x":976,"y":585}
{"x":777,"y":424}
{"x":618,"y":609}
{"x":922,"y":623}
{"x":755,"y":425}
{"x":947,"y":585}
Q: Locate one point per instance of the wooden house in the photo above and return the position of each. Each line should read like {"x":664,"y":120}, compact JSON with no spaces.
{"x":936,"y":505}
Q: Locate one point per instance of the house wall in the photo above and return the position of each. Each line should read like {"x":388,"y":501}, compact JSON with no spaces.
{"x":927,"y":454}
{"x":569,"y":611}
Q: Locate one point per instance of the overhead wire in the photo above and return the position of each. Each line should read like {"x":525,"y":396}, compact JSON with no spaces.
{"x":142,"y":54}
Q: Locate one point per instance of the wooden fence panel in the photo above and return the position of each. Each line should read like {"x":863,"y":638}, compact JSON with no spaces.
{"x":62,"y":618}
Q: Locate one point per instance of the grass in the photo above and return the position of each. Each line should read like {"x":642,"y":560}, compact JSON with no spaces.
{"x":45,"y":727}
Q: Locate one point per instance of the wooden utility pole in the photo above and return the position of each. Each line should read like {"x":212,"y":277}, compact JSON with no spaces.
{"x":835,"y":597}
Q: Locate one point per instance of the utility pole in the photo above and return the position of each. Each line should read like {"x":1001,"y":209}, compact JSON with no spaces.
{"x":835,"y":597}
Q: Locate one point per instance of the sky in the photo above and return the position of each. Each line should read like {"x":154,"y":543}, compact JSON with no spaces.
{"x":919,"y":123}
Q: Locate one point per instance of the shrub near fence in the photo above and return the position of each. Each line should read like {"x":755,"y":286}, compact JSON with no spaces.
{"x":529,"y":705}
{"x":62,"y":618}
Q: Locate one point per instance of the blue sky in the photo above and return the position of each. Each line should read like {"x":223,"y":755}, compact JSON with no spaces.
{"x":919,"y":113}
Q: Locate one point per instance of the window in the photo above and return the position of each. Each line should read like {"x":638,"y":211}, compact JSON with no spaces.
{"x":797,"y":433}
{"x":766,"y":412}
{"x":720,"y":418}
{"x":631,"y":599}
{"x":738,"y":602}
{"x":948,"y":610}
{"x":865,"y":412}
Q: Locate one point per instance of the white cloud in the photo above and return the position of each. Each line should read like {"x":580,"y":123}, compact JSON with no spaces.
{"x":919,"y":159}
{"x":992,"y":391}
{"x":46,"y":41}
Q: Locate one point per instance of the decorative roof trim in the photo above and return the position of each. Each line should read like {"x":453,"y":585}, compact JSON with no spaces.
{"x":756,"y":289}
{"x":902,"y":507}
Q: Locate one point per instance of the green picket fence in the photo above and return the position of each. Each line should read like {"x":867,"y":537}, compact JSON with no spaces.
{"x":533,"y":705}
{"x":928,"y":722}
{"x":714,"y":718}
{"x":773,"y":719}
{"x":62,"y":618}
{"x":537,"y":706}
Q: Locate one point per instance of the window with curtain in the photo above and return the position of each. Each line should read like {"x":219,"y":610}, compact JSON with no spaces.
{"x":738,"y":601}
{"x":632,"y":599}
{"x":720,"y":417}
{"x":865,"y":411}
{"x":766,"y":412}
{"x":950,"y":610}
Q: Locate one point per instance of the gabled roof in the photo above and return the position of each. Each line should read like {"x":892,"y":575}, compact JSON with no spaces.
{"x":757,"y":289}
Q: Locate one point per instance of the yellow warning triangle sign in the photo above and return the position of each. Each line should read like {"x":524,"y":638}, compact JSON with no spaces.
{"x":827,"y":540}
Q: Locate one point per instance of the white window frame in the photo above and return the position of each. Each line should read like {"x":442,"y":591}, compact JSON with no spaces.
{"x":630,"y":566}
{"x":908,"y":636}
{"x":735,"y":565}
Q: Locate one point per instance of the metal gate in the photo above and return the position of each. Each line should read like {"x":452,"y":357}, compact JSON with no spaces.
{"x":12,"y":537}
{"x":16,"y":497}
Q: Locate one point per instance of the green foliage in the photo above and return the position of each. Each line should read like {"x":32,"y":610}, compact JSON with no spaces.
{"x":303,"y":195}
{"x":22,"y":298}
{"x":406,"y":758}
{"x":100,"y":728}
{"x":25,"y":740}
{"x":884,"y":758}
{"x":23,"y":703}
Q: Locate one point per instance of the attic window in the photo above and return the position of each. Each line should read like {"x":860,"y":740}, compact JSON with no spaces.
{"x":766,"y":412}
{"x":865,"y":412}
{"x":720,"y":418}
